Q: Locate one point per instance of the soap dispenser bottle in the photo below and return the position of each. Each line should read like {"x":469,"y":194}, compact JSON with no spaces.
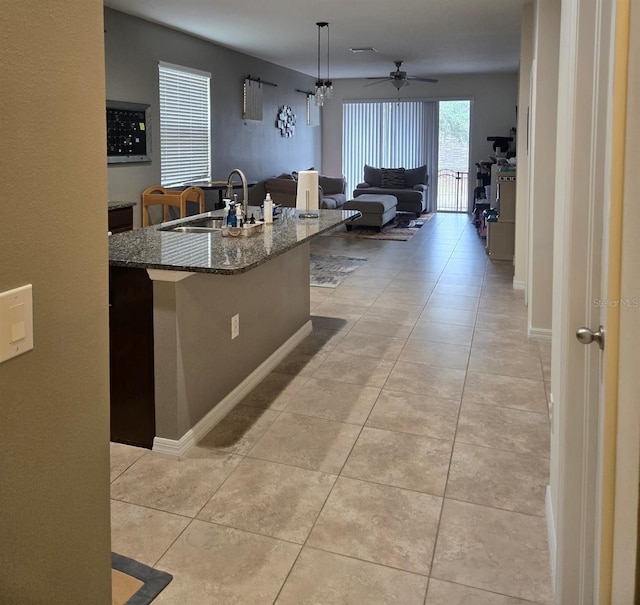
{"x":268,"y":209}
{"x":232,"y":221}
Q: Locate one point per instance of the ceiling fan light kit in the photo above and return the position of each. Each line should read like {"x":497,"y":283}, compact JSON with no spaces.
{"x":399,"y":78}
{"x":324,"y":88}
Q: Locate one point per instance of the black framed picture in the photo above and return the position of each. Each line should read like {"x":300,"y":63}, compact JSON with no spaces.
{"x":128,"y":132}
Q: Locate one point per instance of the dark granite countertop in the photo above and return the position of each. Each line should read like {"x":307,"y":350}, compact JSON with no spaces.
{"x":117,"y":205}
{"x":152,"y":248}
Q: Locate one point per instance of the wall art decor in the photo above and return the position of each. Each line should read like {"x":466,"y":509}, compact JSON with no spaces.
{"x":286,"y":121}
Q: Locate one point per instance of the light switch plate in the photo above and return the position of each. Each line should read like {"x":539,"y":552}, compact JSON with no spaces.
{"x":16,"y":322}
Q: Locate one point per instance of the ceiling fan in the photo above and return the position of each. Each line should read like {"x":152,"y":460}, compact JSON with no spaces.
{"x":399,"y":78}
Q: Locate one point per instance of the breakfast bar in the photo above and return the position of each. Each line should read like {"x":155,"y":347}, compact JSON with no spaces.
{"x":197,"y":320}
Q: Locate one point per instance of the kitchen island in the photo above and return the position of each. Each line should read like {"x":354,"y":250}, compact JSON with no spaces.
{"x":176,"y":371}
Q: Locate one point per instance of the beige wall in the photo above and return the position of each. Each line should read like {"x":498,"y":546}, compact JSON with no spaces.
{"x":542,"y":157}
{"x":520,"y":259}
{"x":54,"y":410}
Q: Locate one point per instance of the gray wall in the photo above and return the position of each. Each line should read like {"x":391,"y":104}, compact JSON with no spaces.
{"x":54,"y":402}
{"x":133,"y":48}
{"x":493,"y":111}
{"x":197,"y":363}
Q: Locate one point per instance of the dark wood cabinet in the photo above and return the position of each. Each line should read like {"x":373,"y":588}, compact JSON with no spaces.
{"x":131,"y":356}
{"x":120,"y":219}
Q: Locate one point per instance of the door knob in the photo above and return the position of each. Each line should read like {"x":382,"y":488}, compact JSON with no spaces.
{"x":586,"y":336}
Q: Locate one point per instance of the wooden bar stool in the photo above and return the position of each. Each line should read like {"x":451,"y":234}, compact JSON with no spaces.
{"x":158,"y":195}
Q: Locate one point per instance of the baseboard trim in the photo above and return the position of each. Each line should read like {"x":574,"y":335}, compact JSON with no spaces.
{"x":178,"y":448}
{"x":540,"y":334}
{"x":551,"y":534}
{"x":518,"y":284}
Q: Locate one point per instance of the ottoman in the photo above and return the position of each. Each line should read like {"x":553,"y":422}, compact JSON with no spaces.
{"x":377,"y":210}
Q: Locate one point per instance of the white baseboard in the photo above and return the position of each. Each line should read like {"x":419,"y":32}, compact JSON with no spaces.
{"x":540,"y":334}
{"x":172,"y":448}
{"x":518,"y":284}
{"x":551,"y":534}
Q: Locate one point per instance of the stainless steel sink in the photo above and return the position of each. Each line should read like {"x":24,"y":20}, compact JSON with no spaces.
{"x":199,"y":225}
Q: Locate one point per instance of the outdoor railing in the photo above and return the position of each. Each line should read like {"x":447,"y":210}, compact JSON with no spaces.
{"x":453,"y":191}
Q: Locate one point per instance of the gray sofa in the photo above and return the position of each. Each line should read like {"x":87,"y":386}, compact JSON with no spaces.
{"x":331,"y":191}
{"x":409,"y":186}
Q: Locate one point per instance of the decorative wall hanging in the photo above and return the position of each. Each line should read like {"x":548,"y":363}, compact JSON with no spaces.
{"x":286,"y":121}
{"x":252,"y":100}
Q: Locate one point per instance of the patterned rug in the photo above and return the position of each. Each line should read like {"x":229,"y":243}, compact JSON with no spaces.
{"x":330,"y":271}
{"x":402,"y":229}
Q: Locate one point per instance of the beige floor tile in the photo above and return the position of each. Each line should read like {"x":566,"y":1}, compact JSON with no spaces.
{"x":334,"y":400}
{"x":457,"y":317}
{"x":123,"y":456}
{"x":439,"y":354}
{"x":446,"y":593}
{"x":409,"y":287}
{"x":215,"y":564}
{"x":301,"y":362}
{"x":370,"y":345}
{"x":142,"y":533}
{"x":453,"y":301}
{"x":504,"y":306}
{"x":378,"y":523}
{"x":498,"y":321}
{"x":505,"y":429}
{"x":342,"y":309}
{"x":355,"y":294}
{"x":414,"y":274}
{"x":320,"y":340}
{"x":491,"y":477}
{"x":384,"y":327}
{"x":425,"y":379}
{"x":505,"y":391}
{"x":414,"y":413}
{"x":545,"y":357}
{"x":313,"y":443}
{"x":506,"y":361}
{"x":270,"y":499}
{"x":320,"y":577}
{"x":511,"y":339}
{"x":462,"y":280}
{"x":400,"y":459}
{"x":332,"y":324}
{"x":399,"y":296}
{"x":355,"y":369}
{"x":239,"y":430}
{"x":275,"y":391}
{"x":448,"y":289}
{"x":396,"y":311}
{"x":441,"y":332}
{"x":359,"y":281}
{"x":175,"y":486}
{"x":494,"y":550}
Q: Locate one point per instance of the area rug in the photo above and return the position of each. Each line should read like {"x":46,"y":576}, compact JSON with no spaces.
{"x":402,"y":229}
{"x":330,"y":271}
{"x":134,"y":583}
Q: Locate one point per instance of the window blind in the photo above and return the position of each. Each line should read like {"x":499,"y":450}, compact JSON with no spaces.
{"x":185,"y":125}
{"x":389,"y":134}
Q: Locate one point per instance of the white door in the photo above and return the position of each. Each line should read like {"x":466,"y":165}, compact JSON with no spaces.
{"x":588,"y":153}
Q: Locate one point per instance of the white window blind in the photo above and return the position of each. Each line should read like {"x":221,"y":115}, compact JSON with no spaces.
{"x":185,"y":125}
{"x":389,"y":134}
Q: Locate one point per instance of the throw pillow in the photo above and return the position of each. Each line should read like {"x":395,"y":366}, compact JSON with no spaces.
{"x":415,"y":176}
{"x":373,"y":176}
{"x":392,"y":178}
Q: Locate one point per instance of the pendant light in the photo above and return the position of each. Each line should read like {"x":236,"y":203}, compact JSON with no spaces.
{"x":324,"y":88}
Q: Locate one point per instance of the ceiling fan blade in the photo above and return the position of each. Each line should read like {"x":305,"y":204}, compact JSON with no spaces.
{"x":432,"y":80}
{"x":378,"y":81}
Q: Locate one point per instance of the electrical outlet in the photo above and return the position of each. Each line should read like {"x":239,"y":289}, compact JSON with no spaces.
{"x":235,"y":326}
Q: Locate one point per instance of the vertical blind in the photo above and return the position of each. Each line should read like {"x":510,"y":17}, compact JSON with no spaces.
{"x":185,"y":124}
{"x":389,"y":134}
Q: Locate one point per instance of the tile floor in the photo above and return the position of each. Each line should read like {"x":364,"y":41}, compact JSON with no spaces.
{"x":399,"y":455}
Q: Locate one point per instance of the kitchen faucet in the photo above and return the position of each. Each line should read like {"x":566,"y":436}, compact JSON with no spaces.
{"x":245,"y":188}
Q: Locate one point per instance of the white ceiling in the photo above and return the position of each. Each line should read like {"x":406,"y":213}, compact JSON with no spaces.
{"x":433,"y":37}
